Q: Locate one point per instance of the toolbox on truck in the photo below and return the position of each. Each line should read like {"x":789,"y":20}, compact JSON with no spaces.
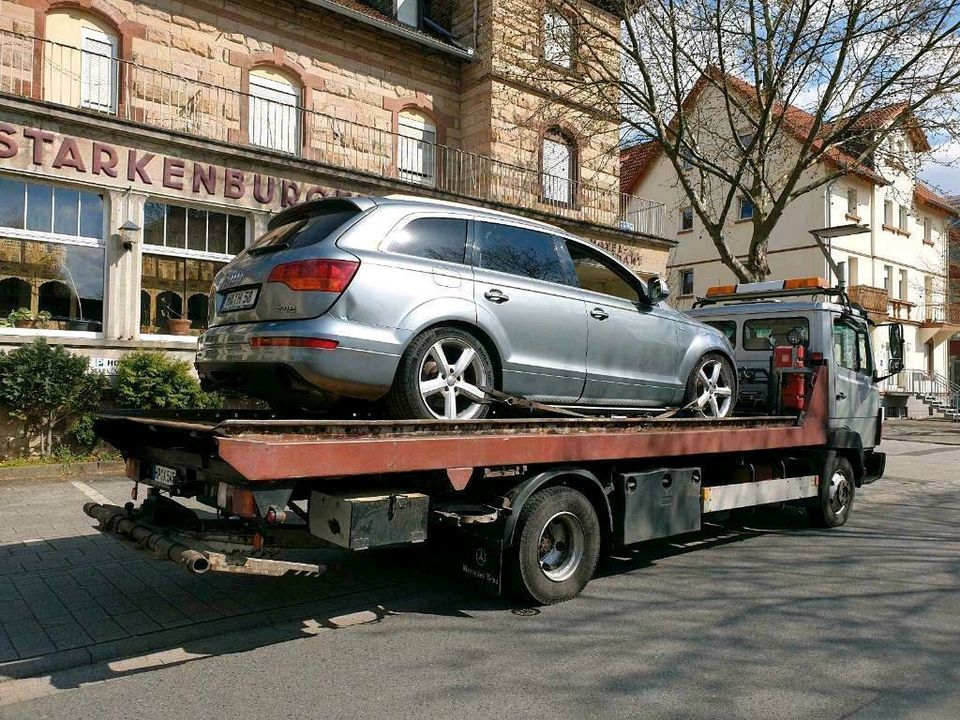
{"x":358,"y":522}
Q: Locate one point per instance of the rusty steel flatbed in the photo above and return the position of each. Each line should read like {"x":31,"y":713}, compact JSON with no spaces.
{"x":262,"y":449}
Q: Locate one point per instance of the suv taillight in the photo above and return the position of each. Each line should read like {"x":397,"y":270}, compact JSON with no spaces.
{"x":316,"y":275}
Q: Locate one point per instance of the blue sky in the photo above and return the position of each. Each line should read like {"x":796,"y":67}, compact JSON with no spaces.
{"x":943,"y":172}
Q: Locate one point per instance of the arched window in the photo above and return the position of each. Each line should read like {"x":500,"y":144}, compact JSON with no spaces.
{"x":559,"y":164}
{"x":197,"y":307}
{"x":55,"y":297}
{"x":416,"y":148}
{"x":557,"y":39}
{"x":169,"y":305}
{"x":81,"y":66}
{"x":14,"y":294}
{"x":275,"y":101}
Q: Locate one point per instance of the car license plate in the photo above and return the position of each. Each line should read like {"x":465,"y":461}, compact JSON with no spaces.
{"x":239,"y":300}
{"x":165,"y":477}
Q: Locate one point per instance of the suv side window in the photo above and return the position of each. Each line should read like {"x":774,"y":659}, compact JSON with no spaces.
{"x":851,"y":347}
{"x":595,"y":273}
{"x":433,"y":238}
{"x":518,"y":251}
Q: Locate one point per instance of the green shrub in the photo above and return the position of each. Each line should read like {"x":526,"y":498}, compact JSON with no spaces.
{"x":152,"y":379}
{"x":43,"y":385}
{"x":81,"y":434}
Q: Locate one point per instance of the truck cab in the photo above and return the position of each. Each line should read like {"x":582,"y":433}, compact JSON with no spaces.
{"x":805,"y":314}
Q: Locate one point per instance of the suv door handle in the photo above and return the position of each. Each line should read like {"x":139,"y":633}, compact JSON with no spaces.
{"x":495,"y":296}
{"x":599,"y":313}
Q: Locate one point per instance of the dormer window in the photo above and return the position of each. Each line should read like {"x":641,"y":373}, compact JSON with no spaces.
{"x":408,"y":12}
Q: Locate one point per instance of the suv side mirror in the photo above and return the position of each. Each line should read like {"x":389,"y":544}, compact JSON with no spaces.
{"x":895,"y":337}
{"x":657,"y":290}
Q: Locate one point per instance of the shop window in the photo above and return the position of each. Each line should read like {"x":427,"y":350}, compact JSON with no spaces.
{"x":181,"y":228}
{"x":81,"y":65}
{"x":274,"y":112}
{"x":558,"y":167}
{"x":416,"y":148}
{"x":52,"y":253}
{"x":175,"y":287}
{"x":557,"y":40}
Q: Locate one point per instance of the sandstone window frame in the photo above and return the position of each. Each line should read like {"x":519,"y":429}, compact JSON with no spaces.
{"x":558,"y":184}
{"x":275,"y":109}
{"x":82,"y":51}
{"x":416,"y":145}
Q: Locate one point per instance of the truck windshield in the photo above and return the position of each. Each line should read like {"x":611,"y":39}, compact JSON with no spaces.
{"x":768,"y":333}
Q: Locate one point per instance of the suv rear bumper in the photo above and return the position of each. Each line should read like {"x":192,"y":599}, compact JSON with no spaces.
{"x":362,"y":366}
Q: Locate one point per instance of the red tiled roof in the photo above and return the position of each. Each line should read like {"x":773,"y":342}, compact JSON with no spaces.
{"x":925,"y":195}
{"x":796,"y":121}
{"x":634,"y":162}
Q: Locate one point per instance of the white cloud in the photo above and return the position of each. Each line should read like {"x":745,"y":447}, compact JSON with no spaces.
{"x":943,"y":169}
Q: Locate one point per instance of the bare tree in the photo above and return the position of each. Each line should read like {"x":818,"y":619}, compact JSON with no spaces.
{"x":717,"y":85}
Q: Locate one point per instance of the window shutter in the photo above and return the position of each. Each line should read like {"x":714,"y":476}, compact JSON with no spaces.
{"x":98,"y":71}
{"x":416,"y":149}
{"x":556,"y":171}
{"x":274,"y":114}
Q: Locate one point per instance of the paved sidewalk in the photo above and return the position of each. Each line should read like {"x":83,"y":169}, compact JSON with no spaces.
{"x":64,"y":585}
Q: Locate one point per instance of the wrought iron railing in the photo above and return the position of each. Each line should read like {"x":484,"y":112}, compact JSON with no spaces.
{"x":181,"y":103}
{"x":932,"y":386}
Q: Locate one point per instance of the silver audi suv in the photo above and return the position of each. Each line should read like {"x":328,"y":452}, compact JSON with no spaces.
{"x":425,"y":304}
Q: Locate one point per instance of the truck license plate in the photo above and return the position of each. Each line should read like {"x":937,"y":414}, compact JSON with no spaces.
{"x":239,"y":300}
{"x":165,"y":477}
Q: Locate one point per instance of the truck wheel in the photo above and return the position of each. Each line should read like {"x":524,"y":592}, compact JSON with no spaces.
{"x":558,"y":548}
{"x":835,"y":500}
{"x":713,"y":385}
{"x":440,"y":376}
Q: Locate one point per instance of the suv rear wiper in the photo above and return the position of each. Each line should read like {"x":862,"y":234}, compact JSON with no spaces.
{"x":264,"y":249}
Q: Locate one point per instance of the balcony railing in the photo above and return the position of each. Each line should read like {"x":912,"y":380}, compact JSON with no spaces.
{"x":938,"y":313}
{"x":872,"y":299}
{"x":180,"y":103}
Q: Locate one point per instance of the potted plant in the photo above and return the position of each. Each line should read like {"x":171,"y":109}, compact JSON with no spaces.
{"x":25,"y":318}
{"x":176,"y":323}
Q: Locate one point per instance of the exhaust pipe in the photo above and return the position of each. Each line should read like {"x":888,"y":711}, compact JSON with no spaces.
{"x":115,"y":518}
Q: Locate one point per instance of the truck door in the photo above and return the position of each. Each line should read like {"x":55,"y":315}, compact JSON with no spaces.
{"x":855,"y":399}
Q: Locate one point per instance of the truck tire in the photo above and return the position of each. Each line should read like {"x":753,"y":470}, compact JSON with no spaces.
{"x":431,"y":359}
{"x":558,"y":546}
{"x":835,"y":499}
{"x":713,"y":385}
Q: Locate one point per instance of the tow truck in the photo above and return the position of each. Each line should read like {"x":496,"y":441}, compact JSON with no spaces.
{"x":530,"y":503}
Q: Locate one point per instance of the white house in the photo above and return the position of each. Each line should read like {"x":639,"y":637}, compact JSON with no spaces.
{"x":896,"y":270}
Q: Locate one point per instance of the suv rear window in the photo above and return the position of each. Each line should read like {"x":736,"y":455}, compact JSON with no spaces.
{"x":522,"y":252}
{"x":768,"y":333}
{"x":432,"y":238}
{"x":302,"y":232}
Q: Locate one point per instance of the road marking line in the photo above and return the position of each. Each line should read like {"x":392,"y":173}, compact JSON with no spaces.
{"x":90,"y":492}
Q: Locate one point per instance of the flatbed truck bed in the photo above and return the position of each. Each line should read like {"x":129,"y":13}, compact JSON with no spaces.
{"x":530,"y":501}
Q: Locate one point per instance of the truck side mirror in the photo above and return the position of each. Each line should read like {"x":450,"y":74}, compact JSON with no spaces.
{"x":657,"y":290}
{"x":895,"y":337}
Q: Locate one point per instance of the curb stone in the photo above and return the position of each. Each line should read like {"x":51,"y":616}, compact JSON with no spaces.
{"x":62,"y":471}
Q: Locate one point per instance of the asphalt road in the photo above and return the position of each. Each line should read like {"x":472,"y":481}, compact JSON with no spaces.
{"x":769,"y":620}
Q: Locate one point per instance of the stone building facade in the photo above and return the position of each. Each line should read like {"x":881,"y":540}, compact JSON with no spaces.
{"x":143,"y":143}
